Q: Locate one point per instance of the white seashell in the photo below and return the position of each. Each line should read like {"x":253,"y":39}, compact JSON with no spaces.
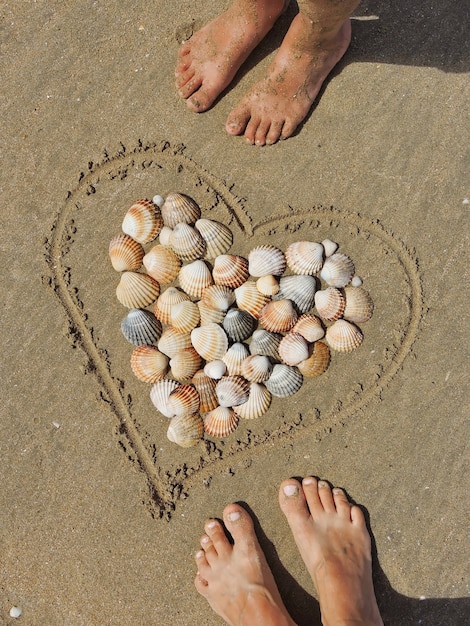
{"x":165,"y":236}
{"x":162,"y":264}
{"x":238,"y":324}
{"x":194,"y":278}
{"x":359,"y":306}
{"x":179,"y":208}
{"x":230,"y":270}
{"x":249,"y":299}
{"x":159,"y":394}
{"x":278,"y":316}
{"x":329,"y":246}
{"x":256,"y":368}
{"x":186,"y":430}
{"x":317,"y":362}
{"x":234,"y":358}
{"x":305,"y":257}
{"x":268,"y":285}
{"x":141,"y":327}
{"x":137,"y":291}
{"x":185,"y":363}
{"x":266,"y":259}
{"x":210,"y":315}
{"x":343,"y":336}
{"x":293,"y":348}
{"x":337,"y":270}
{"x":205,"y":386}
{"x":330,"y":303}
{"x":187,"y":242}
{"x":215,"y":369}
{"x":158,"y":200}
{"x":143,"y":221}
{"x":265,"y":343}
{"x":356,"y":281}
{"x":232,"y":390}
{"x":218,"y":297}
{"x":184,"y":400}
{"x":184,"y":316}
{"x":217,"y":236}
{"x":166,"y":301}
{"x":300,"y":288}
{"x":210,"y":341}
{"x":257,"y":404}
{"x":220,"y":422}
{"x":310,"y":327}
{"x":149,"y":364}
{"x":125,"y":254}
{"x":172,"y":341}
{"x":284,"y":381}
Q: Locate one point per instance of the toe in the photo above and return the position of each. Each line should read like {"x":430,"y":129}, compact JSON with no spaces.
{"x":240,"y":526}
{"x":292,"y":502}
{"x":184,"y":50}
{"x":274,"y":133}
{"x":237,"y":121}
{"x":326,"y":497}
{"x":183,"y":78}
{"x":251,"y":128}
{"x":357,"y":516}
{"x":190,"y":87}
{"x":217,"y":537}
{"x":310,"y":487}
{"x":262,"y":132}
{"x":342,"y":503}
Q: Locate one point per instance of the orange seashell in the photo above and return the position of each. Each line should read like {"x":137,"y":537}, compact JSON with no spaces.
{"x":230,"y":270}
{"x":166,"y":301}
{"x":143,"y":221}
{"x":210,"y":315}
{"x":337,"y":270}
{"x":136,"y":291}
{"x":194,"y":278}
{"x":218,"y":297}
{"x":317,"y":362}
{"x":256,"y":368}
{"x":210,"y":341}
{"x":268,"y":285}
{"x":149,"y":364}
{"x":310,"y":327}
{"x":343,"y":336}
{"x":187,"y":242}
{"x":184,"y":400}
{"x":205,"y":386}
{"x":159,"y":394}
{"x":179,"y":208}
{"x":249,"y":299}
{"x":266,"y":259}
{"x":359,"y":306}
{"x":278,"y":316}
{"x":305,"y":257}
{"x":330,"y":303}
{"x":162,"y":264}
{"x":125,"y":254}
{"x":172,"y":341}
{"x":185,"y":363}
{"x":234,"y":358}
{"x":184,"y":316}
{"x":220,"y":422}
{"x":217,"y":237}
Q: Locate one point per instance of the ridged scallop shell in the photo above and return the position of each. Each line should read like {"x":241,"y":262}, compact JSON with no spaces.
{"x":238,"y":324}
{"x":184,"y":400}
{"x":259,"y":400}
{"x":317,"y":362}
{"x":232,"y":390}
{"x":149,"y":364}
{"x":248,"y":298}
{"x":268,"y":285}
{"x":210,"y":341}
{"x":284,"y":381}
{"x":210,"y":315}
{"x":329,"y":246}
{"x":141,"y":327}
{"x":230,"y":270}
{"x":343,"y":336}
{"x":220,"y":422}
{"x":300,"y":289}
{"x":166,"y":301}
{"x":205,"y":386}
{"x":337,"y":270}
{"x":256,"y":368}
{"x":143,"y":221}
{"x":278,"y":316}
{"x":234,"y":358}
{"x":265,"y":343}
{"x":218,"y":297}
{"x":266,"y":259}
{"x":179,"y":208}
{"x":194,"y":278}
{"x":136,"y":291}
{"x":162,"y":264}
{"x":293,"y":348}
{"x":185,"y":363}
{"x":186,"y":430}
{"x":187,"y":242}
{"x":184,"y":316}
{"x":359,"y":306}
{"x":125,"y":254}
{"x":159,"y":394}
{"x":217,"y":236}
{"x":165,"y":236}
{"x":330,"y":303}
{"x":215,"y":369}
{"x":172,"y":341}
{"x":310,"y":327}
{"x":305,"y":257}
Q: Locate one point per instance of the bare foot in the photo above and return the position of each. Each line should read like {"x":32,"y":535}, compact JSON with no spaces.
{"x":235,"y":579}
{"x":334,"y":543}
{"x":209,"y":60}
{"x":275,"y":106}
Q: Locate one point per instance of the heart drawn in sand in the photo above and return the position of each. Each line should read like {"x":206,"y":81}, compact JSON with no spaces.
{"x":82,"y":278}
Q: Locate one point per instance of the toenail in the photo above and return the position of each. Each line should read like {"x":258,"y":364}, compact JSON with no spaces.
{"x":309,"y":481}
{"x":322,"y":483}
{"x":211,"y":524}
{"x":205,"y":539}
{"x":233,"y":516}
{"x":199,"y":555}
{"x":338,"y":491}
{"x":290,"y":490}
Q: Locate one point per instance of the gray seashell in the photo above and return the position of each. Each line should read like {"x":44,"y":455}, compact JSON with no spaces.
{"x":337,"y":270}
{"x":284,"y":381}
{"x":266,"y":343}
{"x":300,"y":289}
{"x":238,"y":324}
{"x":141,"y":327}
{"x":266,"y":259}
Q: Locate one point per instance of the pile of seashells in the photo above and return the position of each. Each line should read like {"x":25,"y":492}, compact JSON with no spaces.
{"x":227,"y":333}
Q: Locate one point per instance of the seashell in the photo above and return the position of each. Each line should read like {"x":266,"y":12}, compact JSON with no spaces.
{"x":220,"y":422}
{"x":305,"y":257}
{"x":218,"y":297}
{"x":194,"y":278}
{"x":343,"y":336}
{"x":215,"y":369}
{"x":359,"y":306}
{"x":137,"y":291}
{"x":284,"y":381}
{"x":317,"y":362}
{"x":149,"y":364}
{"x":329,"y":246}
{"x":234,"y":358}
{"x":186,"y":430}
{"x":278,"y":316}
{"x":300,"y":288}
{"x":185,"y":363}
{"x":158,"y":200}
{"x":184,"y":400}
{"x":238,"y":324}
{"x":230,"y":270}
{"x":217,"y":236}
{"x":159,"y":394}
{"x":232,"y":390}
{"x":258,"y":402}
{"x":256,"y":368}
{"x":293,"y":348}
{"x":205,"y":386}
{"x":248,"y":298}
{"x":141,"y":327}
{"x":165,"y":236}
{"x":143,"y":221}
{"x":330,"y":303}
{"x":184,"y":316}
{"x":268,"y":285}
{"x":266,"y":259}
{"x":125,"y":254}
{"x":187,"y":242}
{"x":265,"y":343}
{"x":310,"y":327}
{"x":337,"y":270}
{"x":166,"y":301}
{"x":210,"y":341}
{"x":172,"y":341}
{"x":162,"y":264}
{"x":179,"y":208}
{"x":210,"y":315}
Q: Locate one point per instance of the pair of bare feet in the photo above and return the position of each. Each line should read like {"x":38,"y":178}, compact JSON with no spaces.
{"x":333,"y":541}
{"x":318,"y":37}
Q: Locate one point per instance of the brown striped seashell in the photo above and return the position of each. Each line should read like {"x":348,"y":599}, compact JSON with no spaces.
{"x":185,"y":364}
{"x":165,"y":236}
{"x":186,"y":430}
{"x":187,"y":242}
{"x":218,"y":297}
{"x":258,"y":402}
{"x":172,"y":341}
{"x":232,"y":390}
{"x":220,"y":422}
{"x":215,"y":369}
{"x":159,"y":394}
{"x":162,"y":264}
{"x":359,"y":306}
{"x":205,"y":386}
{"x":317,"y":362}
{"x":239,"y":325}
{"x":179,"y":208}
{"x":268,"y":285}
{"x":184,"y":400}
{"x":337,"y":270}
{"x":210,"y":341}
{"x":256,"y":368}
{"x":149,"y":364}
{"x":136,"y":291}
{"x":266,"y":259}
{"x":141,"y":327}
{"x":230,"y":270}
{"x":166,"y":301}
{"x":234,"y":358}
{"x":265,"y":343}
{"x":293,"y":348}
{"x":184,"y":316}
{"x":195,"y":277}
{"x":330,"y":303}
{"x":310,"y":327}
{"x":217,"y":236}
{"x":343,"y":336}
{"x":210,"y":315}
{"x":249,"y":299}
{"x":125,"y":254}
{"x":284,"y":381}
{"x":305,"y":257}
{"x":278,"y":316}
{"x":143,"y":221}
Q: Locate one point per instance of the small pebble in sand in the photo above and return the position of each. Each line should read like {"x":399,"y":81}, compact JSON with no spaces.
{"x":158,"y":200}
{"x":15,"y":611}
{"x":356,"y":281}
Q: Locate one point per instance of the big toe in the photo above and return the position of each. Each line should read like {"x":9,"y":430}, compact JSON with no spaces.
{"x":292,"y":502}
